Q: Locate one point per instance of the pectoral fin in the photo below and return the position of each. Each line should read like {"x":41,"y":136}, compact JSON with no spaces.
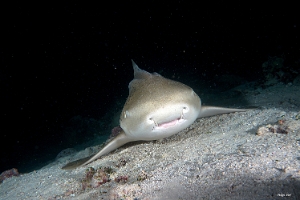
{"x":207,"y":111}
{"x":76,"y":163}
{"x":121,"y":139}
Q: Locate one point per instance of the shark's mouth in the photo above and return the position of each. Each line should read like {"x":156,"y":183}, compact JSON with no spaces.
{"x":169,"y":124}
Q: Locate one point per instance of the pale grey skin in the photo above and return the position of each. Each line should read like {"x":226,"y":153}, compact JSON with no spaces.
{"x":156,"y":108}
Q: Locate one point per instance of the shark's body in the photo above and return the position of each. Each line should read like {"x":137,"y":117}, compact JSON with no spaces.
{"x":156,"y":108}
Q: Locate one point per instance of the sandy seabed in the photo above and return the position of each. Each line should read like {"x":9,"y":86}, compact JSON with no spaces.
{"x":247,"y":155}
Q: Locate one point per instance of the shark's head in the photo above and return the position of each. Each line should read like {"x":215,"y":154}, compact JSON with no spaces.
{"x":157,"y":107}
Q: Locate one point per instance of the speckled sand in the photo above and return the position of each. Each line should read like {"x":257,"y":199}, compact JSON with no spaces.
{"x":219,"y":157}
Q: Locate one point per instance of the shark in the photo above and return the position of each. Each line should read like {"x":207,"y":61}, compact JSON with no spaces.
{"x":156,"y":108}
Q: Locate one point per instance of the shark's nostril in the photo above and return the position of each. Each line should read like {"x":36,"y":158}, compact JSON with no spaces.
{"x":153,"y":121}
{"x":185,"y":110}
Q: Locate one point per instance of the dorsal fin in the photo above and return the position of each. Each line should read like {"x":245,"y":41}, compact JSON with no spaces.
{"x":139,"y":73}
